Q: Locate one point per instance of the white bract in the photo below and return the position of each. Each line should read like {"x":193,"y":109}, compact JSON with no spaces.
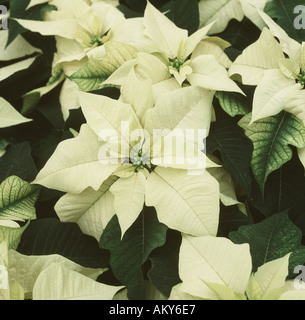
{"x":279,"y":80}
{"x":222,"y":270}
{"x":119,"y":141}
{"x":9,"y":116}
{"x":180,"y":59}
{"x":81,"y":29}
{"x":278,"y":70}
{"x":19,"y":48}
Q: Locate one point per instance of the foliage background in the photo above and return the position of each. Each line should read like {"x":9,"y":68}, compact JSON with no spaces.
{"x":30,"y":145}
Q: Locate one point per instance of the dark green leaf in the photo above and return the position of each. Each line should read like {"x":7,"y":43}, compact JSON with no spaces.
{"x":164,"y":274}
{"x":185,"y":14}
{"x":230,"y":219}
{"x":282,"y":191}
{"x":234,"y":103}
{"x":50,"y":236}
{"x":235,"y":149}
{"x":283,"y":13}
{"x":18,"y":10}
{"x":272,"y":239}
{"x":240,"y":35}
{"x":128,"y":255}
{"x":272,"y":138}
{"x":18,"y":161}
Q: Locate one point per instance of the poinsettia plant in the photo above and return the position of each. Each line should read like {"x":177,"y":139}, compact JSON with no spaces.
{"x":152,"y":150}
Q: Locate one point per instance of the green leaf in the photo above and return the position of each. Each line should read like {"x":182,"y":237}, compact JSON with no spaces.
{"x":128,"y":256}
{"x":89,"y":77}
{"x":185,"y":14}
{"x":18,"y":161}
{"x":9,"y":116}
{"x":58,"y":282}
{"x":50,"y":236}
{"x":282,"y":192}
{"x":18,"y":10}
{"x":221,"y":11}
{"x":12,"y":234}
{"x":211,"y":259}
{"x":233,"y":103}
{"x":240,"y":35}
{"x":36,"y":75}
{"x":17,"y":199}
{"x":234,"y":147}
{"x":271,"y":239}
{"x":283,"y":13}
{"x":271,"y":137}
{"x":3,"y":144}
{"x":164,"y":264}
{"x":230,"y":219}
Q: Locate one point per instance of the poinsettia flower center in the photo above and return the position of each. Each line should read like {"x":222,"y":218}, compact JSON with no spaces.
{"x":176,"y":64}
{"x":140,"y":159}
{"x":96,"y":41}
{"x":301,"y":78}
{"x":99,"y":40}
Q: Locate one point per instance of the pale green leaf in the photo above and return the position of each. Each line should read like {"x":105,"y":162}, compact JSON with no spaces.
{"x":290,"y":292}
{"x":254,"y":291}
{"x":226,"y":186}
{"x":66,"y":28}
{"x":11,"y":233}
{"x":68,"y":97}
{"x":59,"y":283}
{"x":186,"y":108}
{"x":17,"y":49}
{"x":96,"y":71}
{"x":213,"y":260}
{"x":16,"y":292}
{"x":222,"y":11}
{"x":271,"y":94}
{"x":290,"y":46}
{"x":186,"y":115}
{"x":213,"y":46}
{"x":224,"y":292}
{"x":6,"y":72}
{"x":209,"y":74}
{"x":260,"y":56}
{"x":303,"y":56}
{"x":9,"y":116}
{"x":163,"y":32}
{"x":295,"y":104}
{"x":271,"y":138}
{"x":194,"y":40}
{"x":109,"y":118}
{"x":128,"y":199}
{"x":151,"y":67}
{"x":177,"y":294}
{"x":4,"y":290}
{"x":35,"y":3}
{"x":75,"y":165}
{"x":138,"y":94}
{"x":272,"y":275}
{"x":91,"y":210}
{"x":250,"y":9}
{"x":289,"y":68}
{"x":25,"y":269}
{"x":188,"y":203}
{"x":17,"y":199}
